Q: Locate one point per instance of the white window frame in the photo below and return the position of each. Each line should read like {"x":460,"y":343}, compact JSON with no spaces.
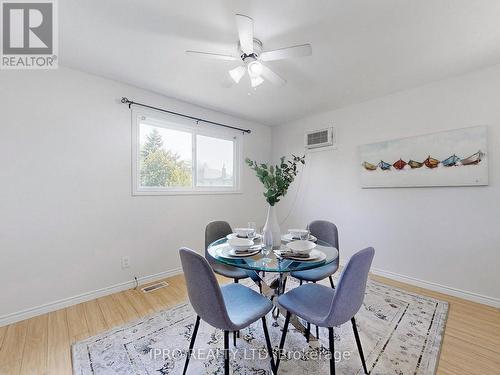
{"x":161,"y":119}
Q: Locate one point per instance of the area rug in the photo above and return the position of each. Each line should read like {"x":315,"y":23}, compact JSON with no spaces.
{"x":401,"y":333}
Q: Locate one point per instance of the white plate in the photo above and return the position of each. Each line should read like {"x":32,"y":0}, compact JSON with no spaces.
{"x":234,"y":235}
{"x":315,"y":255}
{"x":301,"y":246}
{"x":241,"y":244}
{"x":288,"y":238}
{"x":227,"y":252}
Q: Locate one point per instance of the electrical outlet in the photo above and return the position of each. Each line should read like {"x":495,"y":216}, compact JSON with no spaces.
{"x":125,"y":262}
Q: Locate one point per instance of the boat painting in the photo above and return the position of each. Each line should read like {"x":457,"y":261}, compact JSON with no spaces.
{"x":473,"y":159}
{"x":451,"y":161}
{"x":369,"y":166}
{"x":400,"y":164}
{"x":384,"y":166}
{"x":431,"y":162}
{"x":415,"y":164}
{"x":451,"y":158}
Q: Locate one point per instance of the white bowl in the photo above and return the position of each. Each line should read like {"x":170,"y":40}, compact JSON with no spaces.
{"x":301,"y":246}
{"x":298,"y":233}
{"x":243,"y":232}
{"x":240,"y":244}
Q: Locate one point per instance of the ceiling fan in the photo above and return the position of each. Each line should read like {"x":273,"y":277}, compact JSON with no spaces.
{"x":253,"y":56}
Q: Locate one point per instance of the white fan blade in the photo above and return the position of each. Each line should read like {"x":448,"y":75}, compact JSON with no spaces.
{"x":288,"y":52}
{"x":245,"y":32}
{"x":212,"y":55}
{"x":271,"y":76}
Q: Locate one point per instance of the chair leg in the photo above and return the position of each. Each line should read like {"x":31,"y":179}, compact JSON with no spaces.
{"x":308,"y":331}
{"x":282,"y":341}
{"x":268,"y":344}
{"x":226,"y":352}
{"x":331,"y":282}
{"x":332,"y":351}
{"x":300,"y":283}
{"x":234,"y":338}
{"x":317,"y":332}
{"x":236,"y":281}
{"x":191,"y":344}
{"x":358,"y":343}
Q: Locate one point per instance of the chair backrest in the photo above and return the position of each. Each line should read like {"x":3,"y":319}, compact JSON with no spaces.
{"x":213,"y":231}
{"x":350,"y":290}
{"x":325,"y":231}
{"x":204,"y":290}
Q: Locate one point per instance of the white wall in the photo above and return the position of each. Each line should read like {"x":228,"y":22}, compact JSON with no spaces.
{"x":449,"y":236}
{"x":66,"y":211}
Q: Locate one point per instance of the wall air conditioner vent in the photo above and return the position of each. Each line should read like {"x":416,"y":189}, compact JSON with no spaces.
{"x":320,"y":138}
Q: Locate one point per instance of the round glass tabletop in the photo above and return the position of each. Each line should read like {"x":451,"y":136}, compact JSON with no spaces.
{"x":272,"y":262}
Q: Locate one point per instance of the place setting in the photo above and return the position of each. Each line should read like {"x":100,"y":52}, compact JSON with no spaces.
{"x":243,"y":242}
{"x":298,"y":234}
{"x":300,"y":250}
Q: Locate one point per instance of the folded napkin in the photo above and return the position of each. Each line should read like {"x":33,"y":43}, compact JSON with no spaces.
{"x":250,"y":249}
{"x":288,"y":254}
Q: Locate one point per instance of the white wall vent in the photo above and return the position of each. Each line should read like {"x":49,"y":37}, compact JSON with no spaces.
{"x":320,"y":138}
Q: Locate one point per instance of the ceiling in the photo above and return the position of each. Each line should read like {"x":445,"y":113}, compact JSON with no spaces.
{"x":361,"y":48}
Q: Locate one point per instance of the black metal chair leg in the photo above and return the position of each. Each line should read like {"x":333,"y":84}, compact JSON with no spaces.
{"x":268,"y":344}
{"x":332,"y":351}
{"x":331,"y":282}
{"x":191,"y":344}
{"x":234,"y":338}
{"x":300,"y":282}
{"x":358,"y":343}
{"x":317,"y":332}
{"x":308,"y":331}
{"x":282,"y":341}
{"x":236,"y":281}
{"x":226,"y":352}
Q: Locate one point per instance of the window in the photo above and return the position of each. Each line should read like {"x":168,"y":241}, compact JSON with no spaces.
{"x":174,"y":156}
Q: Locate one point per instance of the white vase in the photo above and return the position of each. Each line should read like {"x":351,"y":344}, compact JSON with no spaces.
{"x":271,"y":230}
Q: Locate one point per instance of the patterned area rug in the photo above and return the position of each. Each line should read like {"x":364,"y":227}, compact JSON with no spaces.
{"x":401,"y":333}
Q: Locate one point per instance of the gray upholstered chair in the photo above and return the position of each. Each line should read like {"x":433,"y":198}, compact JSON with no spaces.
{"x":230,"y":308}
{"x":214,"y":231}
{"x":327,"y":307}
{"x":324,"y":231}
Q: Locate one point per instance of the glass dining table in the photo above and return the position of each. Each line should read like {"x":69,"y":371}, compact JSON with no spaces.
{"x":259,"y":264}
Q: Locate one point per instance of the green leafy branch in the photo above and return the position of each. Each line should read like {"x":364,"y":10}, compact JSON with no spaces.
{"x":276,"y":178}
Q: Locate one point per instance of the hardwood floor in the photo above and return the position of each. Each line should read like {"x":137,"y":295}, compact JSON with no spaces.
{"x":41,"y":345}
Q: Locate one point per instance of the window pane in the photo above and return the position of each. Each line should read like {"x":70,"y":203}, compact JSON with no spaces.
{"x":214,"y":161}
{"x":165,"y":158}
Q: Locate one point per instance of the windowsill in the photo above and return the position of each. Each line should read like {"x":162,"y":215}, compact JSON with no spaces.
{"x":185,"y":192}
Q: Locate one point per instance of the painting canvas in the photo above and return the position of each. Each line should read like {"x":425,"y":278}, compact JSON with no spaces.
{"x":451,"y":158}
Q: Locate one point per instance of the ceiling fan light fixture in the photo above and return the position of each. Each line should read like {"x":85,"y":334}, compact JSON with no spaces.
{"x":255,"y":68}
{"x":256,"y":81}
{"x":237,"y":73}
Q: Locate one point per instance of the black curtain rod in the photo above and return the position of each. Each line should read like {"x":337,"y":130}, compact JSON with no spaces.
{"x":197,"y":119}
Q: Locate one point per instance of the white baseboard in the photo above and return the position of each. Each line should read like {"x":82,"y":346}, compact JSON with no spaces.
{"x":486,"y":300}
{"x":62,"y":303}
